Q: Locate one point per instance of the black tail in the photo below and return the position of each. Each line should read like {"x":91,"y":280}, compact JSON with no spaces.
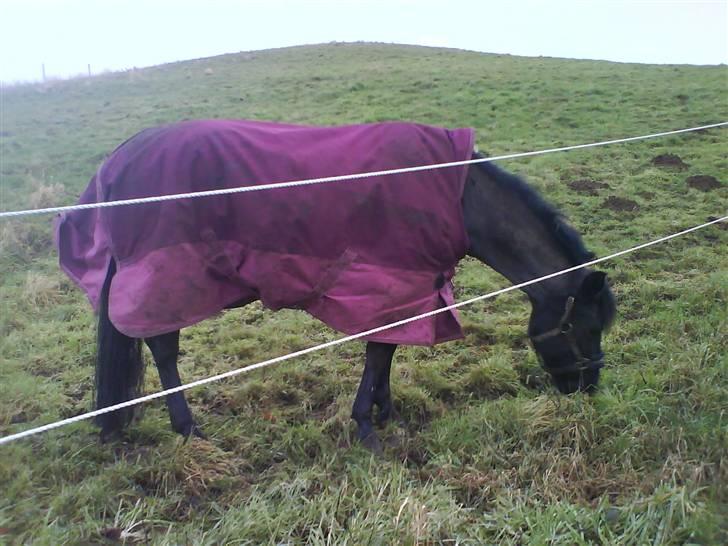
{"x":119,"y":366}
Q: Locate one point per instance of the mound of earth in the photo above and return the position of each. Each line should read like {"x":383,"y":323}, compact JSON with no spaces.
{"x":620,"y":204}
{"x":589,"y":187}
{"x":669,"y":160}
{"x":703,"y":182}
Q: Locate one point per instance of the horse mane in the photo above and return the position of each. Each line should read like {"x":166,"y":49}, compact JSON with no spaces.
{"x":552,"y":219}
{"x":555,"y":223}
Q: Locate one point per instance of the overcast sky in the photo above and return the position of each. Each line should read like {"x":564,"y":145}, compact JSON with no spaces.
{"x":67,"y":35}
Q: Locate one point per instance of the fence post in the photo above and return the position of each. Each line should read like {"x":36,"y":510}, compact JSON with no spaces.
{"x":89,"y":70}
{"x":43,"y":67}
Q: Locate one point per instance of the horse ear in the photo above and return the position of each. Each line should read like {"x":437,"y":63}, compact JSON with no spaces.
{"x":592,"y":285}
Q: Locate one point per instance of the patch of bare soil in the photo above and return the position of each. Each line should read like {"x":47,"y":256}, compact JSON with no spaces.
{"x":18,"y":418}
{"x":703,"y":182}
{"x":620,"y":204}
{"x":669,"y":160}
{"x":589,"y":187}
{"x":721,"y":225}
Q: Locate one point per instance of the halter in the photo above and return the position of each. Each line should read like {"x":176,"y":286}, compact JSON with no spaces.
{"x":566,"y":328}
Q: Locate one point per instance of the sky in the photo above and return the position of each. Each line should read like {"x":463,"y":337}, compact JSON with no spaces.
{"x":68,"y":35}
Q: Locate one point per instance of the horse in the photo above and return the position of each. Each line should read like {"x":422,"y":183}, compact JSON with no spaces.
{"x":371,"y":233}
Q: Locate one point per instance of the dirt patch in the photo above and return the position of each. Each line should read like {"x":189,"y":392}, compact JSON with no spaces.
{"x":589,"y":187}
{"x":620,"y":204}
{"x":703,"y":182}
{"x":669,"y":160}
{"x":19,"y":418}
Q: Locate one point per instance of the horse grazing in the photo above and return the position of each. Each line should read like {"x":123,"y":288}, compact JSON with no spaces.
{"x":354,"y":254}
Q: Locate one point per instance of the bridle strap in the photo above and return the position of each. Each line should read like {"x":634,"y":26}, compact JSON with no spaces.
{"x":565,"y":328}
{"x":564,"y":321}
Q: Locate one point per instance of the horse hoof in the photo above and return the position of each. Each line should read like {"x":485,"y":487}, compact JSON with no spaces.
{"x":197,"y":433}
{"x":109,"y":436}
{"x":372,"y":443}
{"x":192,"y":430}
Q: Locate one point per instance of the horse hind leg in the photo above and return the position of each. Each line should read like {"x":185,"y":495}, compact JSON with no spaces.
{"x":119,"y":369}
{"x":165,"y":350}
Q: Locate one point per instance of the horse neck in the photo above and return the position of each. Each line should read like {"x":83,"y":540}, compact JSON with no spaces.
{"x":507,"y":234}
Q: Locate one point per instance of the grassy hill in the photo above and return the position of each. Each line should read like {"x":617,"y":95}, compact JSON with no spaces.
{"x":490,"y":454}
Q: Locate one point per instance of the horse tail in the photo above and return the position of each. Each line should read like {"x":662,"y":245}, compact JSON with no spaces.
{"x":119,"y":366}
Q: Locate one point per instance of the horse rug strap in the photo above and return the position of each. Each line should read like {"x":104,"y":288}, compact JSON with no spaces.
{"x":355,"y":254}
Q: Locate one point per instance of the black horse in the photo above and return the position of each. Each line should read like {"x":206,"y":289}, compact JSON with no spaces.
{"x":511,"y":229}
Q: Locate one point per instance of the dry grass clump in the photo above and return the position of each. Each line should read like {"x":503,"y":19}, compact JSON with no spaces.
{"x":203,"y":467}
{"x":41,"y":290}
{"x":24,"y":240}
{"x":12,"y":237}
{"x":45,"y":195}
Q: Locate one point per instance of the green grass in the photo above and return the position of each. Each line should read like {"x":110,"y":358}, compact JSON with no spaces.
{"x":490,"y":453}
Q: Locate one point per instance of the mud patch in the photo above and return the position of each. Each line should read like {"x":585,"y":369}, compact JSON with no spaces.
{"x":19,"y":418}
{"x":620,"y":204}
{"x":669,"y":160}
{"x":721,"y":225}
{"x":703,"y":182}
{"x":589,"y":187}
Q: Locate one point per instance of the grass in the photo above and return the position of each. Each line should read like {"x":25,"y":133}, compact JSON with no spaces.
{"x":490,"y":453}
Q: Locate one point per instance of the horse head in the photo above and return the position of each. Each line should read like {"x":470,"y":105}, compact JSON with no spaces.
{"x":566,"y":333}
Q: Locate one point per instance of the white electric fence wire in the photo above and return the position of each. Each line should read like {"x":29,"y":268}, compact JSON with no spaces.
{"x":232,"y":373}
{"x":342,"y":178}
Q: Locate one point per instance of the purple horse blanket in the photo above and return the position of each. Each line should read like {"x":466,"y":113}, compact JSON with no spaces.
{"x":356,"y":254}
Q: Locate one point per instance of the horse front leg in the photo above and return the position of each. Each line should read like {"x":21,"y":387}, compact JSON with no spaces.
{"x":382,"y":391}
{"x":376,"y":366}
{"x":165,"y":349}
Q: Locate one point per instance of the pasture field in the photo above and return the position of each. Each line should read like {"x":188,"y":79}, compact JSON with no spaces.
{"x":490,"y":454}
